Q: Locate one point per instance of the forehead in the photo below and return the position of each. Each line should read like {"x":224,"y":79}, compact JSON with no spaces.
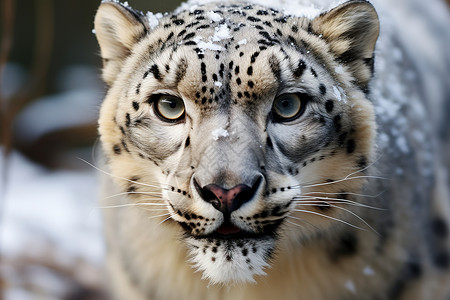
{"x":234,"y":51}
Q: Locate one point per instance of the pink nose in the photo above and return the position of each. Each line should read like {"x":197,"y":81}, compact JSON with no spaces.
{"x":229,"y":200}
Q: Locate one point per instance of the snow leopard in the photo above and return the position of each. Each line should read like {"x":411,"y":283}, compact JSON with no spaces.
{"x":274,"y":150}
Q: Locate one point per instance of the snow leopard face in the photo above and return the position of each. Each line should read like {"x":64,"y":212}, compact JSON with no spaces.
{"x":239,"y":128}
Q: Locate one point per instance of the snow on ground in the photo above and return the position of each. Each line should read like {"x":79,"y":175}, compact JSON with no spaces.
{"x":50,"y":215}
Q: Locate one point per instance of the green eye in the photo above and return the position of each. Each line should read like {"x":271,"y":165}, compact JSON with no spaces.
{"x":288,"y":107}
{"x":169,"y":108}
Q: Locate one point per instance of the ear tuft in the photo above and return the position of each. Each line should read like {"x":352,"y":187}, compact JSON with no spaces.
{"x":117,"y":28}
{"x":351,"y":30}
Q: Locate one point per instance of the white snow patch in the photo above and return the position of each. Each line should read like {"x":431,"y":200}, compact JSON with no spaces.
{"x":339,"y":70}
{"x":218,"y":83}
{"x":193,"y":8}
{"x":339,"y":93}
{"x":213,"y":16}
{"x":219,"y":132}
{"x":242,"y":42}
{"x":349,"y":285}
{"x":153,"y":19}
{"x":209,"y":46}
{"x":368,"y":271}
{"x":288,"y":7}
{"x":222,"y":33}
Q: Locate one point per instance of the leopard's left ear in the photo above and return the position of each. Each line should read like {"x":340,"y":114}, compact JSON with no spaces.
{"x":351,"y":30}
{"x":118,"y":28}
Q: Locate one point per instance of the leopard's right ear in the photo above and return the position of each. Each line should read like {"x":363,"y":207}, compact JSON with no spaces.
{"x":118,"y":28}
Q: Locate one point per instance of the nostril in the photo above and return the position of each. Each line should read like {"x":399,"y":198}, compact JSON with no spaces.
{"x":247,"y":194}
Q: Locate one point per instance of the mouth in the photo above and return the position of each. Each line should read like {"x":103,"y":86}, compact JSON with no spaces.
{"x":228,"y":231}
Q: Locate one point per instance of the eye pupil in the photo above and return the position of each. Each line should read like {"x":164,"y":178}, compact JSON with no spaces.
{"x":173,"y":105}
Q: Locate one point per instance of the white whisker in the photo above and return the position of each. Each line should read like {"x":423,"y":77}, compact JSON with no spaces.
{"x":304,"y":221}
{"x":347,"y":193}
{"x":132,"y":205}
{"x":169,"y":217}
{"x":301,"y":199}
{"x":342,"y":180}
{"x":328,"y":217}
{"x":354,"y":214}
{"x":152,"y":217}
{"x":295,"y":224}
{"x":119,"y":177}
{"x":127,"y":193}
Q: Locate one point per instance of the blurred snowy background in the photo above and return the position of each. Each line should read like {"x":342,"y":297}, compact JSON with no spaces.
{"x":51,"y":243}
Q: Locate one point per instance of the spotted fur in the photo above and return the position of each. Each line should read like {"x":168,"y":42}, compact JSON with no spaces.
{"x":317,"y":211}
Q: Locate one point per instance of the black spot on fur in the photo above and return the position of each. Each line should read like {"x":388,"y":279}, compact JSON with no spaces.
{"x":323,"y":89}
{"x":250,"y":70}
{"x":189,"y":35}
{"x":203,"y":70}
{"x":361,"y":163}
{"x":341,"y":139}
{"x":269,"y":143}
{"x":155,"y":70}
{"x":178,"y":22}
{"x":181,"y":32}
{"x":313,"y":72}
{"x":253,"y":57}
{"x":351,"y":145}
{"x":347,"y":245}
{"x":188,"y":142}
{"x":280,"y":20}
{"x":300,"y":68}
{"x":127,"y":120}
{"x":411,"y":271}
{"x":116,"y":149}
{"x":135,"y":105}
{"x":329,"y":105}
{"x":125,"y":146}
{"x":370,"y":62}
{"x":253,"y":19}
{"x":337,"y":123}
{"x":131,"y":189}
{"x":138,"y":89}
